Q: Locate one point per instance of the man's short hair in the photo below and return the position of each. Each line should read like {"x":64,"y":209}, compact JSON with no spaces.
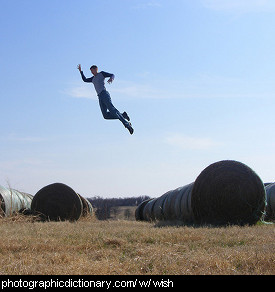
{"x":93,"y":67}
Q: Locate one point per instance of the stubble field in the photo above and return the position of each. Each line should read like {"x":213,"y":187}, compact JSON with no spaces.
{"x":124,"y":247}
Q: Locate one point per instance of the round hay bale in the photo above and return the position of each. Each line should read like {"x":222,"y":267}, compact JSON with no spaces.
{"x":87,"y":206}
{"x":57,"y":202}
{"x":183,"y":208}
{"x":228,"y":192}
{"x":158,"y":207}
{"x":169,"y":205}
{"x":268,"y":183}
{"x":175,"y":205}
{"x":270,"y":202}
{"x":139,"y":210}
{"x":148,"y":214}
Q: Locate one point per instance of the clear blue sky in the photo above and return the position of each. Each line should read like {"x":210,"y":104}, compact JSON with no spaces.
{"x":195,"y":76}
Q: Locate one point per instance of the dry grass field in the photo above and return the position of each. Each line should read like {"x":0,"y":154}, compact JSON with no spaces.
{"x":125,"y":247}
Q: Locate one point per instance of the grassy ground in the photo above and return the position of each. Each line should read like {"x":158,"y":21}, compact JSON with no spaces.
{"x":121,"y":247}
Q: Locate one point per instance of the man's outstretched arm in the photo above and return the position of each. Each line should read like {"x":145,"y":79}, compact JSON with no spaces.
{"x":83,"y":76}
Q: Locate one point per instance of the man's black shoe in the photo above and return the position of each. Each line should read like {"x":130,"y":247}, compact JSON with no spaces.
{"x":130,"y":129}
{"x":125,"y":116}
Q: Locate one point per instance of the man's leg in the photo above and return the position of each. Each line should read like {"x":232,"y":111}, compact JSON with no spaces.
{"x":106,"y":114}
{"x":105,"y":103}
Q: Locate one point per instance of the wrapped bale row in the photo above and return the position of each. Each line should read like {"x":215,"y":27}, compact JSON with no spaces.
{"x":270,"y":202}
{"x":226,"y":192}
{"x":13,"y":201}
{"x":58,"y":201}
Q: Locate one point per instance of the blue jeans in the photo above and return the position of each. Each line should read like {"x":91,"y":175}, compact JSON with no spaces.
{"x":108,"y":110}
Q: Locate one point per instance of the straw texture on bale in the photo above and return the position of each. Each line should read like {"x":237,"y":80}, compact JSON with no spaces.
{"x":226,"y":192}
{"x":57,"y":202}
{"x":270,"y":202}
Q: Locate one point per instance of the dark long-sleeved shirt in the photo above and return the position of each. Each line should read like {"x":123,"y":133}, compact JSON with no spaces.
{"x":98,"y":80}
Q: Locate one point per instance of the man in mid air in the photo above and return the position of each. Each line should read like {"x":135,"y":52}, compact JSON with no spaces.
{"x":108,"y":110}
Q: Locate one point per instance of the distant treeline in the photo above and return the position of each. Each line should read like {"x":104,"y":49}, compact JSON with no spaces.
{"x":103,"y":205}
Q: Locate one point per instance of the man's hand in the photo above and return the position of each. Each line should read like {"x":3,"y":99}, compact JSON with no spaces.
{"x":79,"y":68}
{"x":110,"y":80}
